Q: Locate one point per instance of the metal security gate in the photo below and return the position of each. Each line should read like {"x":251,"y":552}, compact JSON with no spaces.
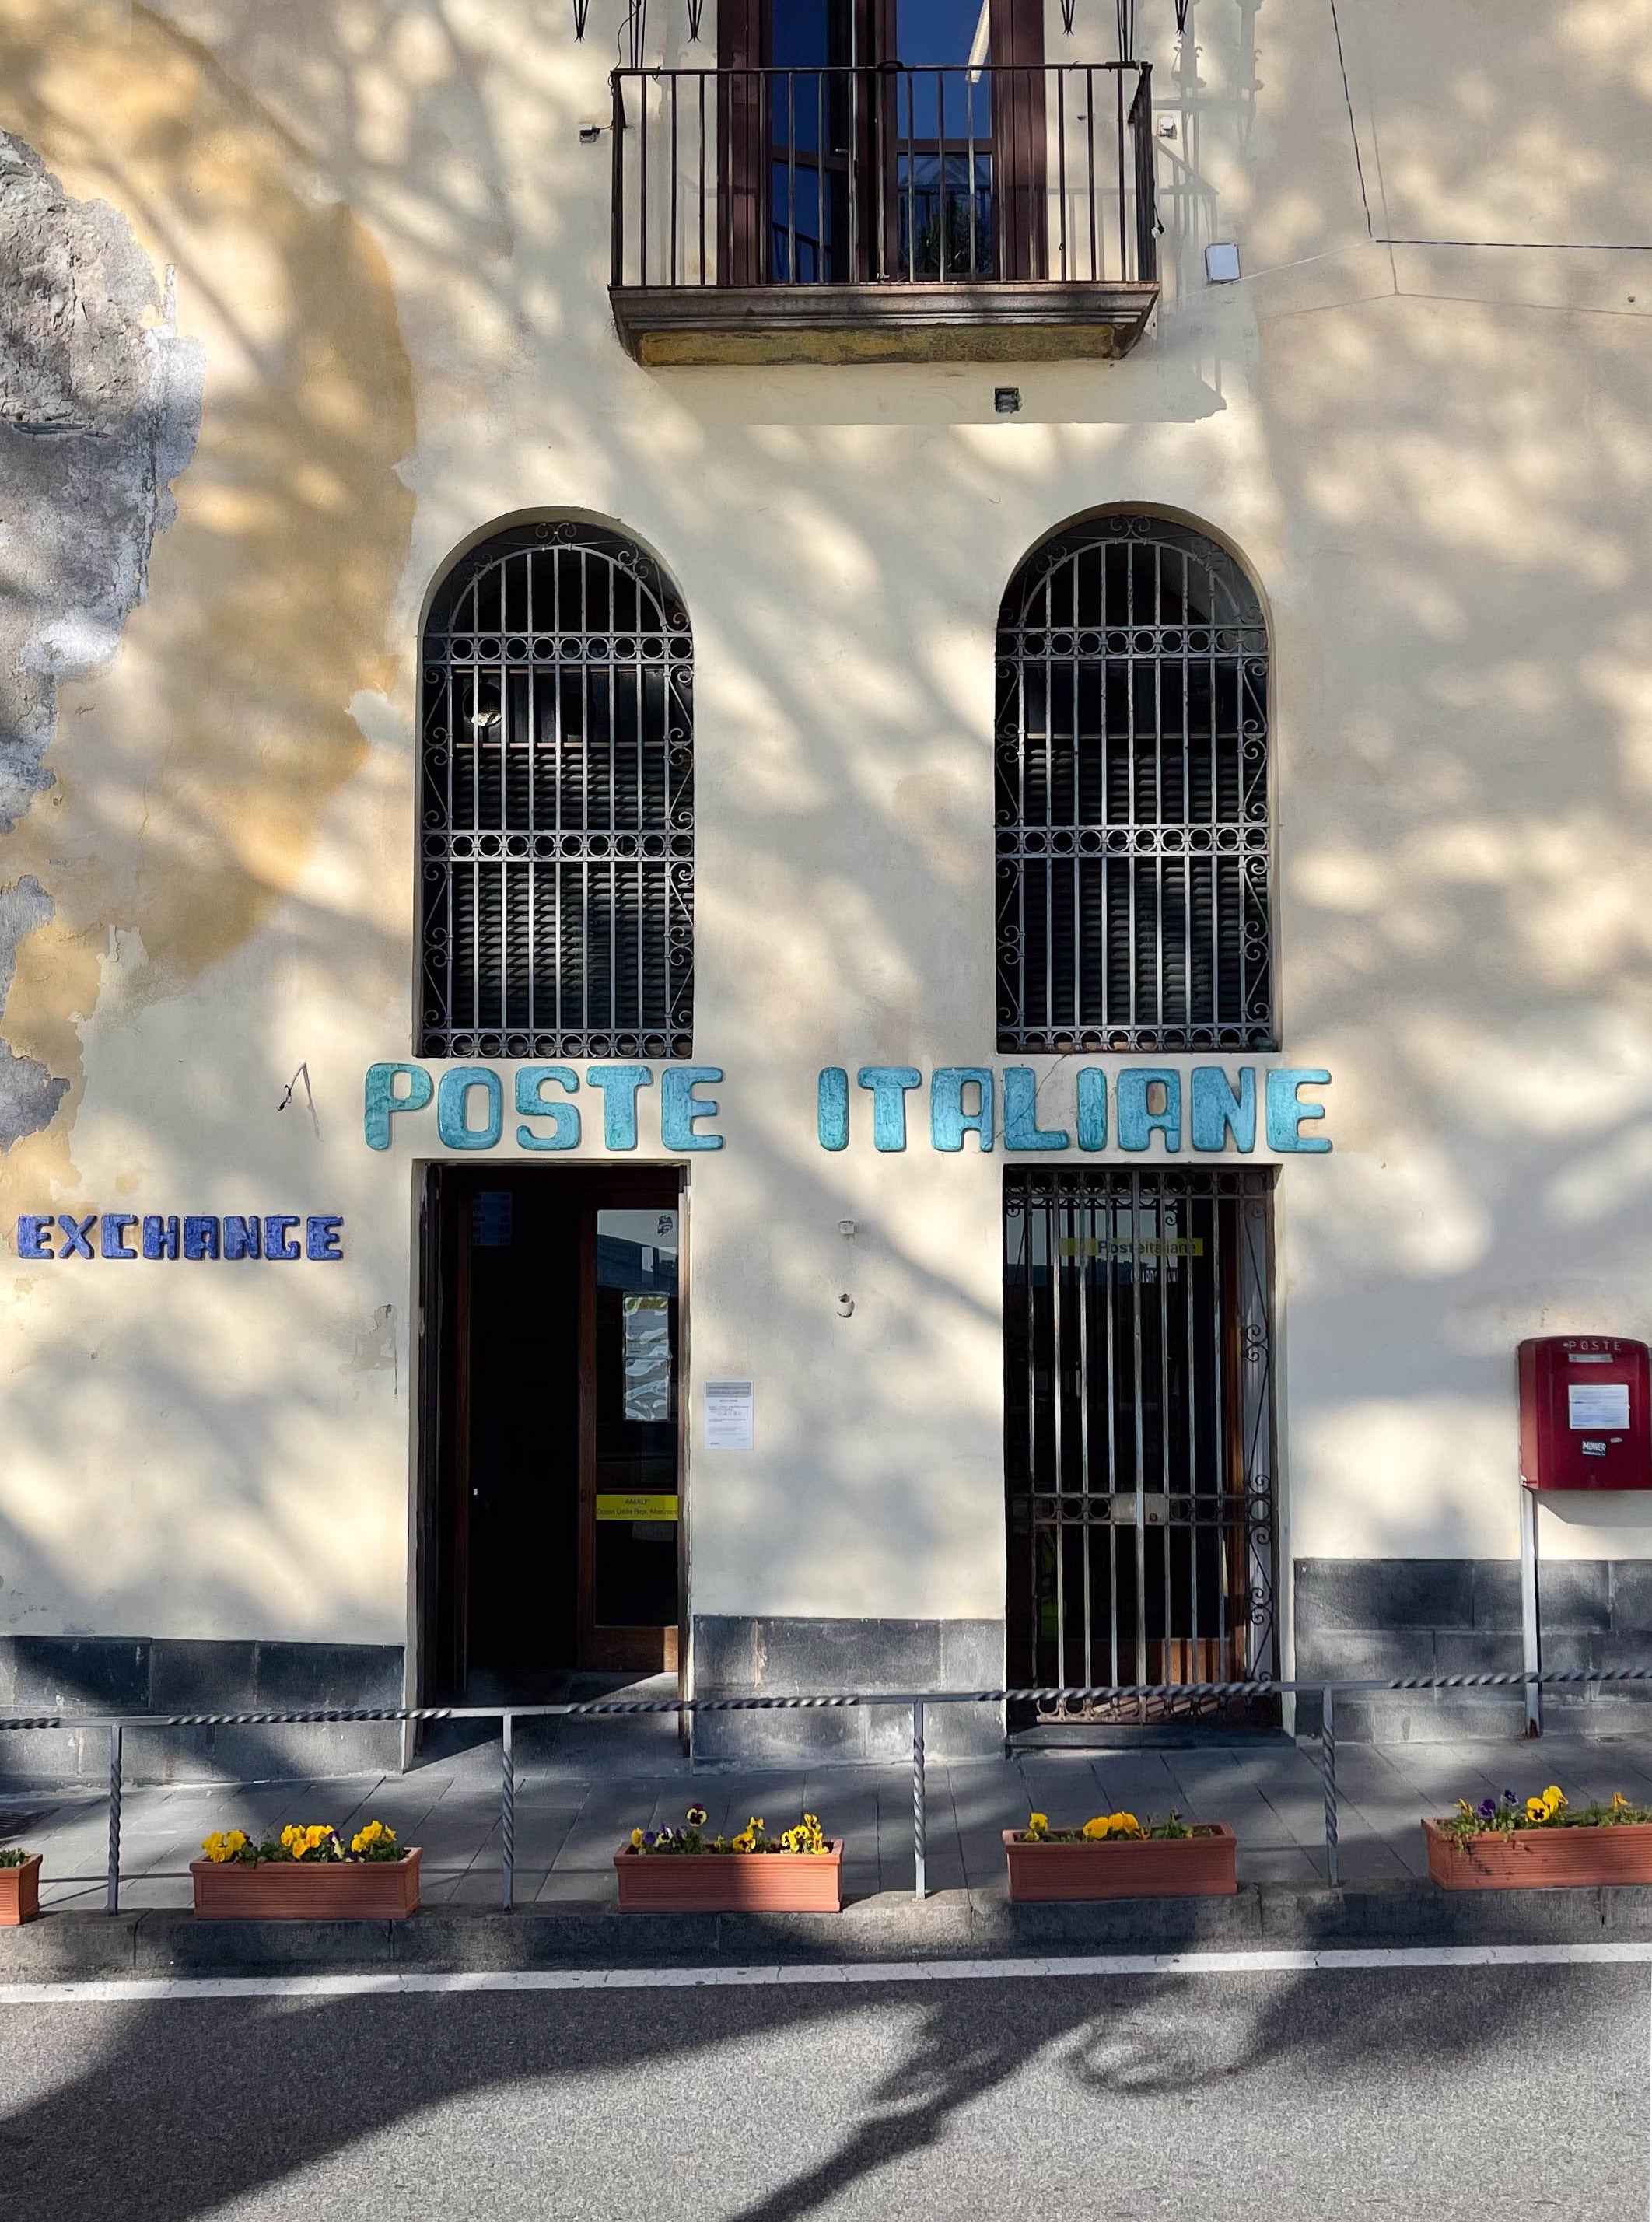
{"x":1139,"y":1422}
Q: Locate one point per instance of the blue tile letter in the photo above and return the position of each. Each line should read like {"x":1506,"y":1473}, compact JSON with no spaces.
{"x":452,"y":1105}
{"x":380,"y":1101}
{"x":276,"y":1243}
{"x":1286,"y":1114}
{"x":1137,"y":1124}
{"x":888,"y":1084}
{"x":1218,"y":1111}
{"x":620,"y":1085}
{"x":321,"y":1238}
{"x":949,"y":1121}
{"x":1021,"y":1127}
{"x":832,"y":1107}
{"x":531,"y":1081}
{"x":680,"y":1111}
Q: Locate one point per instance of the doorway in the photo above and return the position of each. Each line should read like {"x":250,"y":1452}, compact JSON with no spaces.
{"x":549,"y":1527}
{"x":1138,"y":1437}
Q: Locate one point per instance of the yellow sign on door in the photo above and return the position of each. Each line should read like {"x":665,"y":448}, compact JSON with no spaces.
{"x":636,"y":1508}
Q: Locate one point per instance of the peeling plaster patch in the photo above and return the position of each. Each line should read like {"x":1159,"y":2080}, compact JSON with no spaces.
{"x":100,"y":408}
{"x":28,"y":1095}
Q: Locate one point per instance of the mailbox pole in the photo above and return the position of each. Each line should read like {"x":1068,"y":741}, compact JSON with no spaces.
{"x":1531,"y":1658}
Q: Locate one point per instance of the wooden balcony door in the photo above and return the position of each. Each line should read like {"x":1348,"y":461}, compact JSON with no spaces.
{"x":880,"y":147}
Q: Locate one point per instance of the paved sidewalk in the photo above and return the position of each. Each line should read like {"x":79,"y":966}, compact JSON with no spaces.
{"x":573,"y":1809}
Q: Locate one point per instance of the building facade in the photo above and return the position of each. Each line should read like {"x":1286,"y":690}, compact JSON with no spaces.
{"x":828,"y":851}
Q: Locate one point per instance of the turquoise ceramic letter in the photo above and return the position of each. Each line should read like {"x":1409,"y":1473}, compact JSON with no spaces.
{"x":679,"y":1110}
{"x":1092,"y":1107}
{"x":1021,"y":1127}
{"x":531,"y":1081}
{"x":1218,"y":1111}
{"x":451,"y":1102}
{"x":1286,"y":1114}
{"x":380,"y":1101}
{"x":888,"y":1084}
{"x":949,"y":1121}
{"x":620,"y":1085}
{"x":1136,"y":1122}
{"x":832,"y":1107}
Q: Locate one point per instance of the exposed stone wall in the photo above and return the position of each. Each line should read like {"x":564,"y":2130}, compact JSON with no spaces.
{"x":100,"y":407}
{"x":1367,"y":1619}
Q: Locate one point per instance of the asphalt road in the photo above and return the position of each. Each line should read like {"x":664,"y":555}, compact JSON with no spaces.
{"x":1445,"y":2092}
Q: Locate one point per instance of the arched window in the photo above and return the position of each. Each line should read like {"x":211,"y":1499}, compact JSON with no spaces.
{"x":1131,"y":795}
{"x":557,"y":821}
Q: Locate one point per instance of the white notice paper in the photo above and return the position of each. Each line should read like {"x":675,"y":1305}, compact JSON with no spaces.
{"x":1596,"y":1404}
{"x":728,"y":1416}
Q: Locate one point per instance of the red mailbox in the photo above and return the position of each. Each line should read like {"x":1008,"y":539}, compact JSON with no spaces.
{"x":1586,"y":1413}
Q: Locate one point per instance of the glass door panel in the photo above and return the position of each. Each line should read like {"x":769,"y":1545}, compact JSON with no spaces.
{"x":635,"y":1494}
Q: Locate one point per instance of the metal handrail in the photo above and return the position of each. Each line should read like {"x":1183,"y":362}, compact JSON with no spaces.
{"x":916,"y":1702}
{"x":719,"y":173}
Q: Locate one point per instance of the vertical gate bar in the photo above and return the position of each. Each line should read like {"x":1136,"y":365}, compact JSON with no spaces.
{"x":507,"y":1812}
{"x":941,"y":166}
{"x":675,"y":159}
{"x":1220,"y":1392}
{"x":617,"y":186}
{"x":700,"y":126}
{"x":1140,"y":1438}
{"x":642,"y":182}
{"x":1027,"y":1246}
{"x":1328,"y":1764}
{"x":1124,"y":236}
{"x":1061,"y":174}
{"x":1134,"y":818}
{"x":919,"y":1817}
{"x":1192,"y":1484}
{"x":822,"y":266}
{"x":1531,"y":1658}
{"x":1090,"y":166}
{"x":114,"y":1889}
{"x":1110,"y":1192}
{"x":1081,"y":1218}
{"x":969,"y":90}
{"x":1161,"y":1220}
{"x":1057,"y":1214}
{"x":793,"y":177}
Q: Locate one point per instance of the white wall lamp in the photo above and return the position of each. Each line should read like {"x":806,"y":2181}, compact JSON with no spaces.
{"x":1222,"y":262}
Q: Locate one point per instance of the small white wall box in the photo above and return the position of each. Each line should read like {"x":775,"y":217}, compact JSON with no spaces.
{"x":1222,"y":262}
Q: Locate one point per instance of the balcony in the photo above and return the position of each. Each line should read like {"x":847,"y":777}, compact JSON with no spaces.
{"x":833,"y":215}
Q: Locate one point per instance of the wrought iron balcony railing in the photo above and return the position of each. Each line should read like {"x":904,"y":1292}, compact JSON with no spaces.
{"x":854,"y":213}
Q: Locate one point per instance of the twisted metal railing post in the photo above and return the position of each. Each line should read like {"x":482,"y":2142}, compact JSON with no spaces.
{"x":919,"y":1820}
{"x":508,"y":1816}
{"x":1328,"y":1764}
{"x":114,"y":1819}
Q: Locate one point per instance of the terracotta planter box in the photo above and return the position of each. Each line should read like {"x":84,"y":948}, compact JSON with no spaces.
{"x":297,"y":1890}
{"x":1126,"y":1866}
{"x":729,"y":1882}
{"x":1540,"y":1859}
{"x":20,"y":1892}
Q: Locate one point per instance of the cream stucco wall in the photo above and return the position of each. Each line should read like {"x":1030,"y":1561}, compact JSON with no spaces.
{"x":391,"y":247}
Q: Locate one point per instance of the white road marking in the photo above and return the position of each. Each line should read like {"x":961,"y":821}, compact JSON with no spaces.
{"x":1376,"y":1958}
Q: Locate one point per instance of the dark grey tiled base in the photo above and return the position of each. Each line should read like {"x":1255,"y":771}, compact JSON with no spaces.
{"x":742,"y":1657}
{"x":68,"y":1675}
{"x":1362,"y":1619}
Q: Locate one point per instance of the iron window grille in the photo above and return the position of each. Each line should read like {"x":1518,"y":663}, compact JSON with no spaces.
{"x":1131,"y":795}
{"x":1139,"y":1426}
{"x":558,"y":821}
